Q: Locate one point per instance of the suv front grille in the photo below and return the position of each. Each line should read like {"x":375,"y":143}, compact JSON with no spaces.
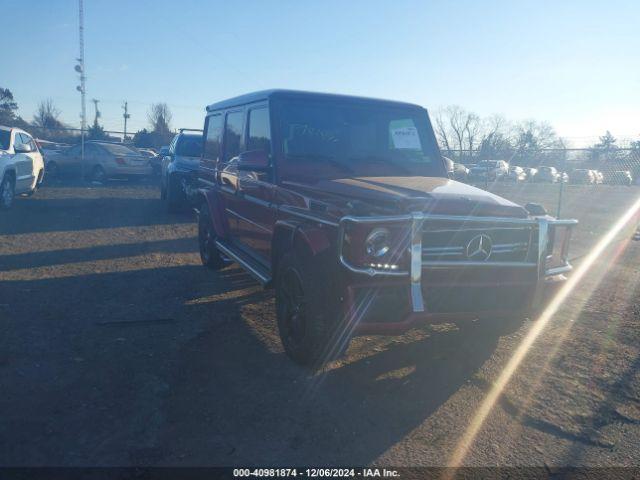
{"x":501,"y":243}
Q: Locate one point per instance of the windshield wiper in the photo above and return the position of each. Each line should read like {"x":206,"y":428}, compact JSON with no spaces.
{"x":323,"y":158}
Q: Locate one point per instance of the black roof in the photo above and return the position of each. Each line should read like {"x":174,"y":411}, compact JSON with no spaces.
{"x":280,"y":93}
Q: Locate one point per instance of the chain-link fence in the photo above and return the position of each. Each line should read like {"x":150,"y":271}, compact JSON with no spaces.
{"x":521,"y":176}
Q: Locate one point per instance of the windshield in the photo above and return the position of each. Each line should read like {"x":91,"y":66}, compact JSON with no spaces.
{"x":189,"y":146}
{"x":5,"y":139}
{"x":345,"y":139}
{"x":116,"y":149}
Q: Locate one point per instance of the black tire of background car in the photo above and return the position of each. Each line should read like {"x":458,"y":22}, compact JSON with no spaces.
{"x":52,"y":170}
{"x":98,"y":174}
{"x":7,"y":192}
{"x":163,"y":190}
{"x":304,"y":288}
{"x":174,"y":195}
{"x":209,"y":254}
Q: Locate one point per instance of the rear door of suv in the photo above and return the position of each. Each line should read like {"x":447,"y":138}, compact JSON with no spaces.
{"x":255,"y":189}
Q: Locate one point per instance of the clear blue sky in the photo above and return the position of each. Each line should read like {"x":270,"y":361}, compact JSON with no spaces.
{"x":573,"y":63}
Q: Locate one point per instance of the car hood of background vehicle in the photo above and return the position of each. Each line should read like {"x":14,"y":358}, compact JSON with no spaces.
{"x":436,"y":195}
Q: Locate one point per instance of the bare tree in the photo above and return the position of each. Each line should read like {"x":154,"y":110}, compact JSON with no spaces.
{"x":47,"y":116}
{"x":458,"y":130}
{"x":160,"y":118}
{"x":533,"y":135}
{"x":442,"y":130}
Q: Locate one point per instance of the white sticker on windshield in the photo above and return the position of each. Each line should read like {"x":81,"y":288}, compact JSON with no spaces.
{"x":406,"y":138}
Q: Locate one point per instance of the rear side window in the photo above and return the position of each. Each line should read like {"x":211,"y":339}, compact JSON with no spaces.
{"x":232,"y":135}
{"x":5,"y":139}
{"x":259,"y":131}
{"x":212,"y":140}
{"x":189,"y":146}
{"x":116,"y":149}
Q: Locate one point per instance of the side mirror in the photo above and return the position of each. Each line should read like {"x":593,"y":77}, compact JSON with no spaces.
{"x":254,"y":160}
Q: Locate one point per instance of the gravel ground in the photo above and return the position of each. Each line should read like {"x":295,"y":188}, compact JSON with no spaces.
{"x":118,"y":348}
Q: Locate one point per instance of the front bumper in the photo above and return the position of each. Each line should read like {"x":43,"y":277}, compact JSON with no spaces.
{"x":440,"y":289}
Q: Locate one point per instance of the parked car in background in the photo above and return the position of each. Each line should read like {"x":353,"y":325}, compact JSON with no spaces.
{"x":346,"y":209}
{"x":582,"y":176}
{"x":21,"y":165}
{"x":51,"y":150}
{"x":156,"y":162}
{"x":460,"y":172}
{"x":516,"y":174}
{"x":152,"y":156}
{"x":179,"y":168}
{"x":618,"y":177}
{"x":531,"y":173}
{"x":103,"y":160}
{"x":449,"y":165}
{"x":598,"y":176}
{"x":547,"y":175}
{"x":489,"y":170}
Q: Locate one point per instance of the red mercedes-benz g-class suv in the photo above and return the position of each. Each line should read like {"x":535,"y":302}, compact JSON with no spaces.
{"x":344,"y":206}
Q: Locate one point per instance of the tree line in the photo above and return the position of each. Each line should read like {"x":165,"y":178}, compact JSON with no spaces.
{"x":461,"y":134}
{"x":46,"y":124}
{"x":467,"y":137}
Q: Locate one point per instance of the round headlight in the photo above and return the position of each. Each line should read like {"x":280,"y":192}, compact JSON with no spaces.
{"x":377,"y":242}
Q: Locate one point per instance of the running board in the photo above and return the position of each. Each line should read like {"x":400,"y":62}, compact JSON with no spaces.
{"x":251,"y":266}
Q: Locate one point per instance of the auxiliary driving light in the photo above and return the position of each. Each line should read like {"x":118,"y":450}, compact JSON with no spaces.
{"x":377,"y":242}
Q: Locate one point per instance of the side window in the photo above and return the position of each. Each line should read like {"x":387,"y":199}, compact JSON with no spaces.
{"x":93,"y":150}
{"x":74,"y":151}
{"x":259,"y":131}
{"x":232,"y":135}
{"x":212,"y":137}
{"x":27,"y":141}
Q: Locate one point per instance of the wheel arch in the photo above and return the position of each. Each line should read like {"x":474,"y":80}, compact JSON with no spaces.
{"x":215,"y":208}
{"x":304,"y":239}
{"x":10,"y":171}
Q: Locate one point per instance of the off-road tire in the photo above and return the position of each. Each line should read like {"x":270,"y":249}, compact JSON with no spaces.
{"x":311,"y":328}
{"x":209,"y":254}
{"x":7,"y":192}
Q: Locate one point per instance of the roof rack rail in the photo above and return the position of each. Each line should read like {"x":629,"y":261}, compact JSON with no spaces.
{"x":190,"y":130}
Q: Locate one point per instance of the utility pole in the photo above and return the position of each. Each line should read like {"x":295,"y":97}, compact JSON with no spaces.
{"x":126,"y":116}
{"x":81,"y":88}
{"x":95,"y":105}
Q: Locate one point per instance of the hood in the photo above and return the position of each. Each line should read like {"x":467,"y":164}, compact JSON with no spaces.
{"x":435,"y":195}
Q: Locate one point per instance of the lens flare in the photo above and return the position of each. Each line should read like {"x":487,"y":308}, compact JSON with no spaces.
{"x":539,"y":325}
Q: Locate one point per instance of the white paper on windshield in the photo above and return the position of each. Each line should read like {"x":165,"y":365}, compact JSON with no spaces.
{"x":406,"y":138}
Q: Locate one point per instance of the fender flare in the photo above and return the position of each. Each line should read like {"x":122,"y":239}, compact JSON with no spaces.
{"x":216,"y":210}
{"x":288,"y":235}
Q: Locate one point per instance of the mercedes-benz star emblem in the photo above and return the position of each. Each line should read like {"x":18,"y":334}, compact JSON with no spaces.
{"x":479,"y":248}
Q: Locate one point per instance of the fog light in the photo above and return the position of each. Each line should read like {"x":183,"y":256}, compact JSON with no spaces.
{"x":377,"y":242}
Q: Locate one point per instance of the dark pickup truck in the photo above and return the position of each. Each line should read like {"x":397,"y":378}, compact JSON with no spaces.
{"x":343,"y":205}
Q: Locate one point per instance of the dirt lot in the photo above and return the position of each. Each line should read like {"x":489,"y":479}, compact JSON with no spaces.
{"x":118,"y":348}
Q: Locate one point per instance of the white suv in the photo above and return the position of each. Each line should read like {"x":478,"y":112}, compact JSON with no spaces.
{"x":21,"y":165}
